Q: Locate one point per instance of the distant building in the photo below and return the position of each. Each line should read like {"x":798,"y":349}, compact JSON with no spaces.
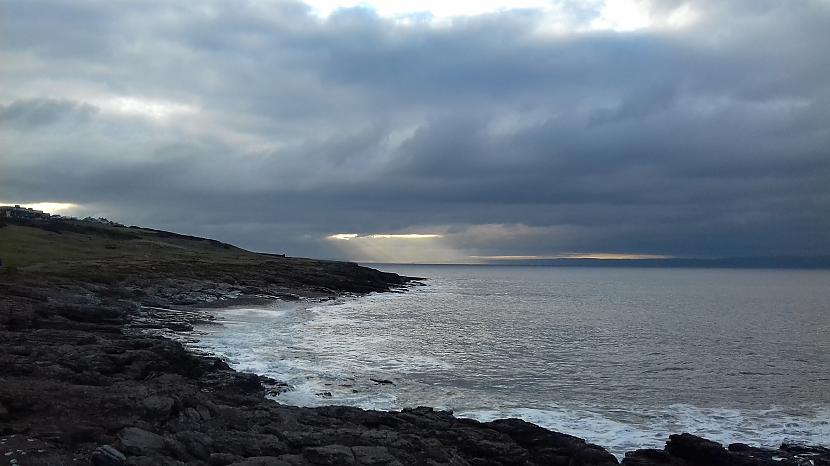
{"x":22,"y":213}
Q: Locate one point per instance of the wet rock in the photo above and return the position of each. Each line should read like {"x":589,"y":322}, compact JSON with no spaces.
{"x":690,"y":450}
{"x":382,"y":381}
{"x":797,"y":449}
{"x":647,"y":457}
{"x":546,"y":446}
{"x":697,"y":449}
{"x":140,"y":442}
{"x":178,"y":326}
{"x":107,"y":455}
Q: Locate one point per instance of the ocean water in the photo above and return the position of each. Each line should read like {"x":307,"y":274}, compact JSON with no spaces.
{"x":619,"y":356}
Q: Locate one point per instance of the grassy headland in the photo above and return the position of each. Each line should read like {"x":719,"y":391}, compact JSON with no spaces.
{"x":135,"y":258}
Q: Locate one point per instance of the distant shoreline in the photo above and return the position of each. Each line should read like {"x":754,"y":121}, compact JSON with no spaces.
{"x":783,"y":263}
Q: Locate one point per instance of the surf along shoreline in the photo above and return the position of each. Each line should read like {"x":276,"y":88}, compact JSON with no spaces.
{"x":84,"y":380}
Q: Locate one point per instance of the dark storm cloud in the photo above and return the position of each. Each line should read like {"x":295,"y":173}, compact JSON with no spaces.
{"x":261,"y":124}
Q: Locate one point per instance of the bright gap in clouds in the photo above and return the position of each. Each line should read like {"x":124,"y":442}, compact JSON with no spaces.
{"x":614,"y":15}
{"x":48,"y":207}
{"x":404,"y":248}
{"x":436,"y":8}
{"x":351,"y":236}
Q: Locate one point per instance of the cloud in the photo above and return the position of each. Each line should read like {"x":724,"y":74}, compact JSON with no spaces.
{"x":524,"y":132}
{"x":34,"y":113}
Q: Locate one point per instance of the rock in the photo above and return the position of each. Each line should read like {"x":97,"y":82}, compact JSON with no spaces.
{"x":647,"y":457}
{"x":382,"y":381}
{"x":204,"y":412}
{"x":177,"y":326}
{"x":153,"y":461}
{"x":192,"y":414}
{"x":690,"y":450}
{"x":806,"y":450}
{"x":261,"y":461}
{"x":140,"y":442}
{"x":87,"y":340}
{"x":546,"y":445}
{"x":197,"y":443}
{"x":247,"y":381}
{"x":697,"y":449}
{"x":20,"y":350}
{"x":106,"y":455}
{"x":157,"y":404}
{"x":373,"y":455}
{"x":330,"y":454}
{"x":223,"y":459}
{"x":178,"y":450}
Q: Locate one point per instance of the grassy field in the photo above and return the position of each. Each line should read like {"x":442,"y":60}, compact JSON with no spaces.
{"x":52,"y":249}
{"x":63,"y":252}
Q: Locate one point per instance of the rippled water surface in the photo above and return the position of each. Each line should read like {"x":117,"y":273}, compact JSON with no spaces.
{"x":621,"y":357}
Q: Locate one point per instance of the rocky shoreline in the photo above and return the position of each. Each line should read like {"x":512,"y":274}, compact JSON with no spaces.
{"x":84,"y":381}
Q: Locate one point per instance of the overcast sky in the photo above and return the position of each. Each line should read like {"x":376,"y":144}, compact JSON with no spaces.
{"x":428,"y":131}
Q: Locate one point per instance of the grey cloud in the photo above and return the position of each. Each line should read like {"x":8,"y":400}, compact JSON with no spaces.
{"x":33,"y":113}
{"x":710,"y":140}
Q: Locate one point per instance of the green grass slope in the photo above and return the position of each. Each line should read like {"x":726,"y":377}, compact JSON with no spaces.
{"x":111,"y":255}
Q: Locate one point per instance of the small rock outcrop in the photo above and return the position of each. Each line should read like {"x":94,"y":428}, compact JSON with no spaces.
{"x":690,"y":450}
{"x":107,"y":455}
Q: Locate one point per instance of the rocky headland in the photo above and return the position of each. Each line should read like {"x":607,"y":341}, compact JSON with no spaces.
{"x":86,"y":379}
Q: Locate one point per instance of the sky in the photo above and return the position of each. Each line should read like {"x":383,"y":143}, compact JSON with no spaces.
{"x":428,"y":131}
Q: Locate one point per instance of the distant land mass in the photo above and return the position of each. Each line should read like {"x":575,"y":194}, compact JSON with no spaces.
{"x":759,"y":262}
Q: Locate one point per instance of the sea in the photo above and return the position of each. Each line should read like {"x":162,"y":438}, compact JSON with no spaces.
{"x":621,"y":357}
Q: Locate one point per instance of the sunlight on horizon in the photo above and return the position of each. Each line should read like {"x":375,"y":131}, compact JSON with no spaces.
{"x":414,"y":248}
{"x":576,"y":255}
{"x":48,"y":207}
{"x":395,"y":248}
{"x":351,"y":236}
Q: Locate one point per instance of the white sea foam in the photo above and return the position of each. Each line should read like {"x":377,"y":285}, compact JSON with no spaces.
{"x":768,"y":428}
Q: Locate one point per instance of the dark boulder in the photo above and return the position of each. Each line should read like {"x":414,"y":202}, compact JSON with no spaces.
{"x":107,"y":455}
{"x":137,"y":441}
